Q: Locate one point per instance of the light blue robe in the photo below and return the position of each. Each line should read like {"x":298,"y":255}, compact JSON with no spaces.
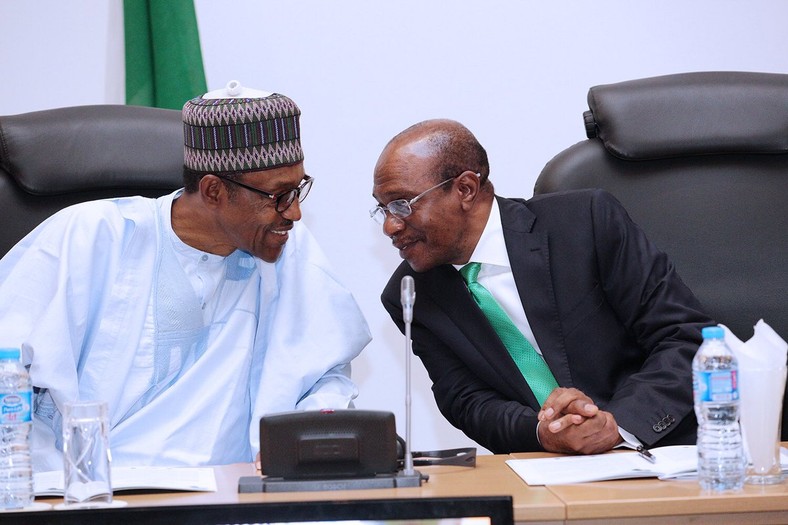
{"x":76,"y":293}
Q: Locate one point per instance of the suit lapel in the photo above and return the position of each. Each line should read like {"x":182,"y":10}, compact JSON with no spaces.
{"x":446,"y":288}
{"x":529,"y":255}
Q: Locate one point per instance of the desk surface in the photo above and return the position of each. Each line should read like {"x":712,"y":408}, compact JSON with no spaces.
{"x":642,"y":501}
{"x":491,"y":477}
{"x":651,"y":501}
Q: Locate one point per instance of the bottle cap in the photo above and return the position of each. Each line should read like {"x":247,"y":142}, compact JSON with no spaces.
{"x":9,"y":353}
{"x":713,"y":332}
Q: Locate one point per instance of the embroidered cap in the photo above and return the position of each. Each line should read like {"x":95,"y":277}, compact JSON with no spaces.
{"x":241,"y":129}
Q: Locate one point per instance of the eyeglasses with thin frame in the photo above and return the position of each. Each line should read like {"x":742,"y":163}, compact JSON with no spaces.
{"x":402,"y":208}
{"x":283,"y":200}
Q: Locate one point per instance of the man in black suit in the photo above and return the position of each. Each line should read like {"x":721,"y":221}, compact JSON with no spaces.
{"x":603,"y":306}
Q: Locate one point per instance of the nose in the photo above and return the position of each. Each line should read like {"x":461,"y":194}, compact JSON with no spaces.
{"x":392,"y":225}
{"x":293,"y":212}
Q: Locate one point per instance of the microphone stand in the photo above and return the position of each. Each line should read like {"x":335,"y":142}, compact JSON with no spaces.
{"x":409,"y":476}
{"x":408,"y":467}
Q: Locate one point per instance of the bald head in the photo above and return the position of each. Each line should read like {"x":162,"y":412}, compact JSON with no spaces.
{"x":449,"y":146}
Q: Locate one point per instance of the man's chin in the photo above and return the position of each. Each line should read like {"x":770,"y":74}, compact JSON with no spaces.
{"x":417,"y":266}
{"x":270,"y":255}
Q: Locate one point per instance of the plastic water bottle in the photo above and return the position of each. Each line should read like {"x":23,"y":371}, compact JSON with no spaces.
{"x":721,"y":461}
{"x":16,"y":474}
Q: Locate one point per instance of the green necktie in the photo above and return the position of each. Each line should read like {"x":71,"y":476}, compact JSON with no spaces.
{"x":531,"y":364}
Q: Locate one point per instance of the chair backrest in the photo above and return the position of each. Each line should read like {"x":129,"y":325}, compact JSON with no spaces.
{"x":700,"y":161}
{"x":54,"y":158}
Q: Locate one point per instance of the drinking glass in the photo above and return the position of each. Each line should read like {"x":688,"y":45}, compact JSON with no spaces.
{"x":86,"y":453}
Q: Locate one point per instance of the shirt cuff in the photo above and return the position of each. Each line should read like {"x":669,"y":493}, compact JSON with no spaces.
{"x":630,"y":441}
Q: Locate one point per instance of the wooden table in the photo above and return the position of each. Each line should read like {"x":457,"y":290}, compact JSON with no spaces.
{"x":641,"y":501}
{"x":650,"y":501}
{"x":490,"y":477}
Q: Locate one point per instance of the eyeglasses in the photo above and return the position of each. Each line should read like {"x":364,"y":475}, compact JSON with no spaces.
{"x":402,"y":208}
{"x":283,"y":199}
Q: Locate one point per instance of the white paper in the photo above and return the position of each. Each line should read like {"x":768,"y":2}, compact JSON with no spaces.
{"x":765,"y":349}
{"x":672,"y":462}
{"x":201,"y":479}
{"x":560,"y":470}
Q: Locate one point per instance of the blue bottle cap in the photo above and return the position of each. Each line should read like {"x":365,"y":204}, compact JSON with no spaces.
{"x":713,"y":332}
{"x":9,"y":353}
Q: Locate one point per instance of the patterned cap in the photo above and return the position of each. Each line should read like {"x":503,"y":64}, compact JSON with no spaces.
{"x":233,"y":131}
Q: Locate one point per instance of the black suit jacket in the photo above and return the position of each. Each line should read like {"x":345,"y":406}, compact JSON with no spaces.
{"x":609,"y":312}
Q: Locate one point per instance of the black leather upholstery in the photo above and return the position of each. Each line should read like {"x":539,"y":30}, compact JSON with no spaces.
{"x":700,"y":161}
{"x":54,"y":158}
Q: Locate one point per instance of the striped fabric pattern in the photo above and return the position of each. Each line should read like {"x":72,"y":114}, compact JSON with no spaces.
{"x":241,"y":134}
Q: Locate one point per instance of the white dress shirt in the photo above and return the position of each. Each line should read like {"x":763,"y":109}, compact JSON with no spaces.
{"x":496,"y":274}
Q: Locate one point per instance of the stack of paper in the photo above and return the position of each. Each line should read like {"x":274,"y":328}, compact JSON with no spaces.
{"x":199,"y":479}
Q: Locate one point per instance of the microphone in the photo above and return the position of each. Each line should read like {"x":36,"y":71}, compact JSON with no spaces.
{"x":407,"y":298}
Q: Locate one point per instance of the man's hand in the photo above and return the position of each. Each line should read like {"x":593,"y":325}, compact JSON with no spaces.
{"x":565,"y":406}
{"x":570,"y":422}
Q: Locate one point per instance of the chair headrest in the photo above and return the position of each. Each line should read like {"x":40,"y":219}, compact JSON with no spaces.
{"x":691,"y":114}
{"x":79,"y":148}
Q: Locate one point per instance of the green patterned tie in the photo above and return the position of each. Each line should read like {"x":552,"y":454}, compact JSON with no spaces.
{"x":531,"y":364}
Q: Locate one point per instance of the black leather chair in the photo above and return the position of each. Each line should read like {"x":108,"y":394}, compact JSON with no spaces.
{"x":700,"y":161}
{"x":54,"y":158}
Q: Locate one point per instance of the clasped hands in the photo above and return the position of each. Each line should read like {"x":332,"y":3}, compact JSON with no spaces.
{"x":571,"y":423}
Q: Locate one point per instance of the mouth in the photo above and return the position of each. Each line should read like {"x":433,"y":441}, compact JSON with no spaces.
{"x":279,"y":236}
{"x":281,"y":231}
{"x":402,"y":246}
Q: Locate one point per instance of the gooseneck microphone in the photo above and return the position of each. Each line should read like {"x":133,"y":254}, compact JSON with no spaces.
{"x":407,"y":298}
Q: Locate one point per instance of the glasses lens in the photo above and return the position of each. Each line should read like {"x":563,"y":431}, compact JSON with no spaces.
{"x":377,"y":214}
{"x":285,"y":200}
{"x":399,"y":208}
{"x":303,"y":190}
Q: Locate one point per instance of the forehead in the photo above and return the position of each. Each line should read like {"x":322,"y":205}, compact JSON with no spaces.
{"x":404,"y":168}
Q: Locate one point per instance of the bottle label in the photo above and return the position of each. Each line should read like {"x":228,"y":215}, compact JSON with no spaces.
{"x":15,"y":408}
{"x":717,"y":386}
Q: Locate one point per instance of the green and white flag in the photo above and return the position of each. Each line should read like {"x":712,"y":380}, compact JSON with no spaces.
{"x":163,"y":57}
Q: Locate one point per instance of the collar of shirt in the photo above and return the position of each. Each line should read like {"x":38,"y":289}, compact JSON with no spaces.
{"x":496,"y":273}
{"x":491,"y":248}
{"x":185,"y":252}
{"x":205,"y":271}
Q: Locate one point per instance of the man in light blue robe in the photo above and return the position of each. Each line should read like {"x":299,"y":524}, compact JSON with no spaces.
{"x":191,"y":315}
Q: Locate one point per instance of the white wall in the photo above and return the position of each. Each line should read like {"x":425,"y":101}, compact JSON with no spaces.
{"x":515,"y":72}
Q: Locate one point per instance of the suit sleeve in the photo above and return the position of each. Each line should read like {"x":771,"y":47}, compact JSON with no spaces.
{"x":663,"y":316}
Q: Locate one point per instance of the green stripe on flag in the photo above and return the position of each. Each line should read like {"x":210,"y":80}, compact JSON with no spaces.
{"x":163,"y":57}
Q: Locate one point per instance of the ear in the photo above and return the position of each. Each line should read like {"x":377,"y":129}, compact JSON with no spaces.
{"x":212,"y":190}
{"x":468,"y":184}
